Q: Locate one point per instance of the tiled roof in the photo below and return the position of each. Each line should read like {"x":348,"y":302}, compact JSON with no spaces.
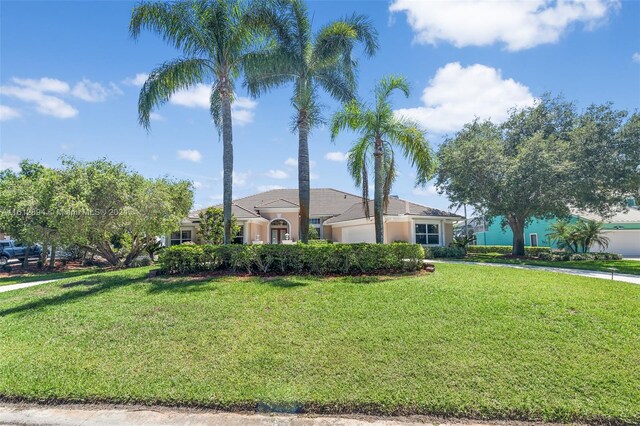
{"x":279,"y":203}
{"x":238,"y":211}
{"x":630,"y":216}
{"x":396,"y":207}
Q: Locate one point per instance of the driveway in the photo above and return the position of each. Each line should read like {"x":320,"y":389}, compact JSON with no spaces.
{"x":10,"y":287}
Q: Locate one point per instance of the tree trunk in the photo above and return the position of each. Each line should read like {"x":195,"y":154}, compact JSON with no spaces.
{"x":303,"y":175}
{"x":227,"y":161}
{"x":378,"y":195}
{"x":45,"y":251}
{"x":517,"y":228}
{"x":25,"y":262}
{"x":52,"y":260}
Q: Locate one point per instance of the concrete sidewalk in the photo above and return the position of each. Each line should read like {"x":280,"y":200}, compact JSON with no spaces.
{"x":10,"y":287}
{"x":632,"y":279}
{"x":17,"y":414}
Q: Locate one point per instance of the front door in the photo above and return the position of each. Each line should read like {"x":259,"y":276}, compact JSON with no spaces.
{"x":278,"y":230}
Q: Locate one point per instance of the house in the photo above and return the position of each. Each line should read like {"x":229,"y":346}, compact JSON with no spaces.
{"x":272,"y":217}
{"x":622,"y":230}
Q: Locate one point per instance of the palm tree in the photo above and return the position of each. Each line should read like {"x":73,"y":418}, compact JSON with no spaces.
{"x":589,"y":233}
{"x":563,"y":234}
{"x":380,"y":131}
{"x":214,"y":37}
{"x":310,"y":62}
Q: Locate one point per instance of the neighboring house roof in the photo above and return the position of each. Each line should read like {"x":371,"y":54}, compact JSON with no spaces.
{"x":630,"y":216}
{"x":279,"y":203}
{"x":396,"y":207}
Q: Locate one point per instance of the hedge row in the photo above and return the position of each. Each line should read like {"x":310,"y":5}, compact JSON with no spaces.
{"x":317,"y":259}
{"x":435,"y":252}
{"x":560,"y":256}
{"x":528,"y":250}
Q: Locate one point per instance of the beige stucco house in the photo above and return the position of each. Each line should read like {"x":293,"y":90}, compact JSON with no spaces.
{"x":272,"y":218}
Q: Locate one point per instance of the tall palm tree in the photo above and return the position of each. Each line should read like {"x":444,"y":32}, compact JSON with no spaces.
{"x":214,"y":37}
{"x":311,"y":62}
{"x":380,"y":131}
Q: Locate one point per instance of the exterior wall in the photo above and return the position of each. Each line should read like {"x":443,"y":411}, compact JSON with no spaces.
{"x":397,"y":231}
{"x":364,"y":233}
{"x":255,"y":230}
{"x":327,"y":232}
{"x":496,"y":236}
{"x":336,"y":235}
{"x":448,"y":234}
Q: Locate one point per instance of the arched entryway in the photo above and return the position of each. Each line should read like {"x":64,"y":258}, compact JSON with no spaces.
{"x":277,"y":230}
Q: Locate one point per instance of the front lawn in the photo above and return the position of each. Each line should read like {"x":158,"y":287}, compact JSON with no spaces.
{"x":6,"y":279}
{"x":465,"y":341}
{"x":621,"y":266}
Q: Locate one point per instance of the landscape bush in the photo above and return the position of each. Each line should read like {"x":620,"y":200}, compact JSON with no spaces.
{"x":434,"y":252}
{"x":315,"y":259}
{"x":565,"y":256}
{"x":528,"y":250}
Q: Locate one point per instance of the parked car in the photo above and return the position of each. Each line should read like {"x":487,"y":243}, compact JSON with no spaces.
{"x":11,"y":249}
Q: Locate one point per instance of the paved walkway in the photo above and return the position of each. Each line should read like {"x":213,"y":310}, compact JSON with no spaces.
{"x":10,"y":287}
{"x":110,"y":416}
{"x":627,"y":278}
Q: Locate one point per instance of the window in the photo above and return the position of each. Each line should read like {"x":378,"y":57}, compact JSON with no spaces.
{"x":534,"y":240}
{"x":180,"y":237}
{"x":316,"y":222}
{"x":5,"y":245}
{"x":239,"y":237}
{"x":428,"y":234}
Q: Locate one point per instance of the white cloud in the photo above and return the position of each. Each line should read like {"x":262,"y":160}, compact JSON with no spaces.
{"x":264,"y":188}
{"x":190,"y":155}
{"x":215,"y":197}
{"x":314,"y":176}
{"x":428,"y":191}
{"x":517,"y":24}
{"x":636,"y":57}
{"x":291,"y":162}
{"x":91,"y":91}
{"x":277,"y":174}
{"x":336,"y":156}
{"x":198,"y":97}
{"x":136,"y":81}
{"x":8,"y":113}
{"x":156,"y":117}
{"x":240,"y":179}
{"x":9,"y":161}
{"x":197,"y":184}
{"x":45,"y":104}
{"x":43,"y":85}
{"x":154,"y":157}
{"x":456,"y":95}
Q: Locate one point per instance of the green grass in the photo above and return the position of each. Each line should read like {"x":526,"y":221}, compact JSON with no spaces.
{"x":31,"y":277}
{"x":622,"y":266}
{"x":466,"y":341}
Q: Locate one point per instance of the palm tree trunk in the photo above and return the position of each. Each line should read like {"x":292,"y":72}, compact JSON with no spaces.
{"x":227,"y":161}
{"x":378,"y":196}
{"x":304,"y":190}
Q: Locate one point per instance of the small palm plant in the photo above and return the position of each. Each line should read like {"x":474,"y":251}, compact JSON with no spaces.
{"x":380,"y":132}
{"x":214,"y":37}
{"x":311,"y":62}
{"x":563,"y":235}
{"x":589,"y":232}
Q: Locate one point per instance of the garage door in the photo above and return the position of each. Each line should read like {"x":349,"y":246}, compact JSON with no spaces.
{"x":359,"y":234}
{"x":624,"y":242}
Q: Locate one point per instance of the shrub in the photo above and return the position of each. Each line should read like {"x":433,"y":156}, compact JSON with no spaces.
{"x":317,"y":259}
{"x":529,"y":250}
{"x":450,"y":252}
{"x":6,"y":268}
{"x":564,"y":256}
{"x":140,"y":261}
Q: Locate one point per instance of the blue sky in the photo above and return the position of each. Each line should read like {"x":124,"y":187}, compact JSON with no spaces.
{"x":68,"y":84}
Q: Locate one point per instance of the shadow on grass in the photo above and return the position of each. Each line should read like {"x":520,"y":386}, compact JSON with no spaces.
{"x":91,"y":287}
{"x":19,"y":279}
{"x":183,"y":284}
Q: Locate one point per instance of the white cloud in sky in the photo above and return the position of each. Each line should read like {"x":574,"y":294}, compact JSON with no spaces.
{"x":457,"y":94}
{"x":277,"y":174}
{"x":335,"y":156}
{"x":8,"y":113}
{"x":215,"y":197}
{"x":189,"y":155}
{"x":518,"y":24}
{"x":137,"y":81}
{"x":291,"y":162}
{"x":636,"y":57}
{"x":90,"y":91}
{"x":44,"y":104}
{"x":242,"y":109}
{"x":264,"y":188}
{"x":428,"y":191}
{"x":197,"y":184}
{"x":314,"y":176}
{"x":154,"y":116}
{"x":241,"y":179}
{"x":9,"y":161}
{"x":44,"y":84}
{"x":154,"y":157}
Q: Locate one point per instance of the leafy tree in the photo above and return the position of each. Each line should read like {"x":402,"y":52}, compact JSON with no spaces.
{"x":381,"y":131}
{"x":212,"y":226}
{"x":313,"y":233}
{"x":116,"y":213}
{"x":311,"y":62}
{"x":543,"y":160}
{"x":214,"y":39}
